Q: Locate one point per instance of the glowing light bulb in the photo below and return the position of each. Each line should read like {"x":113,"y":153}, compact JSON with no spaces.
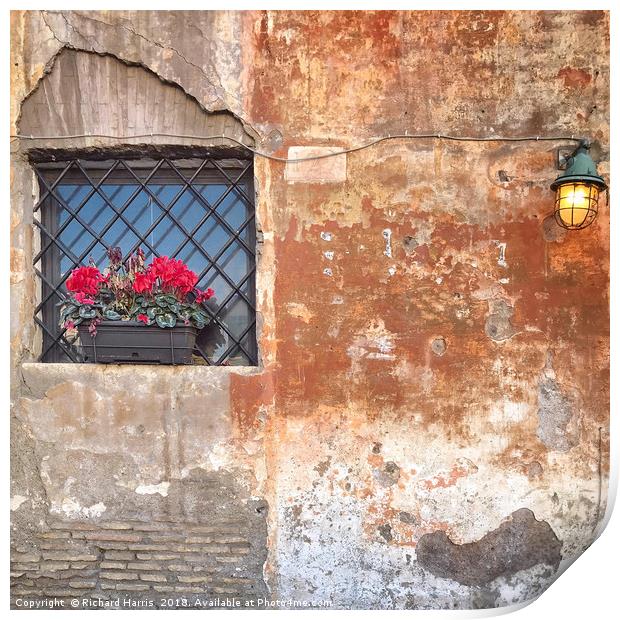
{"x":576,"y":203}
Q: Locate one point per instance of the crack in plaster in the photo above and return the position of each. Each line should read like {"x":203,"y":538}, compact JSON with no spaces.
{"x":135,"y":33}
{"x":93,"y":42}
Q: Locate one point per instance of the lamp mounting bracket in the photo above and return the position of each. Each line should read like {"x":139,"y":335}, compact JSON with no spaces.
{"x":565,"y":153}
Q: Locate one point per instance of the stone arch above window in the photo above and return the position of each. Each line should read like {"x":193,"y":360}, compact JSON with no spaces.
{"x":88,"y":93}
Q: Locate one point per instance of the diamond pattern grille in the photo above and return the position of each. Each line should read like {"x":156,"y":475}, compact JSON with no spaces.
{"x":198,"y":210}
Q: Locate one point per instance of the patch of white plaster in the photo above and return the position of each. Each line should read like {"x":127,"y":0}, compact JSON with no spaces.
{"x":151,"y":489}
{"x":375,"y":343}
{"x":327,"y":271}
{"x":71,"y":508}
{"x":288,"y":35}
{"x":328,"y":255}
{"x":221,"y":456}
{"x":17,"y":501}
{"x":508,"y":412}
{"x":501,"y":260}
{"x":387,"y":235}
{"x":392,"y":270}
{"x":333,"y":331}
{"x":300,"y":311}
{"x":326,"y":236}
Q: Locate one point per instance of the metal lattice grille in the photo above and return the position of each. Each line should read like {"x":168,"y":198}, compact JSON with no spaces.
{"x":198,"y":210}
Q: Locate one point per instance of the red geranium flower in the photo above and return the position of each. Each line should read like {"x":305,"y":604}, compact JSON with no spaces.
{"x":143,"y":318}
{"x":185,"y":280}
{"x":143,"y":282}
{"x":85,"y":280}
{"x":162,"y":267}
{"x":173,"y":274}
{"x":83,"y":299}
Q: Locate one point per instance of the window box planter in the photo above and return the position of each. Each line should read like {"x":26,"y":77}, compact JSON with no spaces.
{"x":135,"y":313}
{"x":132,"y":342}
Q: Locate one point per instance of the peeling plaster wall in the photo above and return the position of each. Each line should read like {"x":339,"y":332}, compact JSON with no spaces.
{"x":434,"y":349}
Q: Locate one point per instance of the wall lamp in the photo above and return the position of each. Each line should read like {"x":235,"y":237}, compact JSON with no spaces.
{"x":577,"y":190}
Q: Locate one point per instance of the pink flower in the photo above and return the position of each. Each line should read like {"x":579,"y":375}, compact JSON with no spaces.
{"x":143,"y":318}
{"x":83,"y":299}
{"x":92,"y":328}
{"x":69,"y":325}
{"x":202,"y":296}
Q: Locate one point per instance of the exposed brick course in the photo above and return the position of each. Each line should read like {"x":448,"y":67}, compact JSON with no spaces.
{"x":186,"y":561}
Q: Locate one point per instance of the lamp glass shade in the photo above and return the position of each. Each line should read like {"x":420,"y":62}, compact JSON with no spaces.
{"x":576,"y":204}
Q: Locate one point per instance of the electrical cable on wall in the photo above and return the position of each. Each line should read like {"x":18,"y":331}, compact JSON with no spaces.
{"x":405,"y":136}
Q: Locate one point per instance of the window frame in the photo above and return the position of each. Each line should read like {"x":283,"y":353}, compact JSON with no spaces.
{"x":233,"y":170}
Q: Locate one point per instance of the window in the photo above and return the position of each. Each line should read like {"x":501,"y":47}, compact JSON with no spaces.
{"x":198,"y":210}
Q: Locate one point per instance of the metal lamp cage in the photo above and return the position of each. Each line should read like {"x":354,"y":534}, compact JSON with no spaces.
{"x":576,"y":205}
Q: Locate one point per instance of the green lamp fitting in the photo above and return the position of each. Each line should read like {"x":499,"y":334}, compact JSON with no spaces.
{"x":577,"y":191}
{"x":580,"y":169}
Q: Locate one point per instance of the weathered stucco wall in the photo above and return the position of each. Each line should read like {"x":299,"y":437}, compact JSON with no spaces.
{"x":429,"y":424}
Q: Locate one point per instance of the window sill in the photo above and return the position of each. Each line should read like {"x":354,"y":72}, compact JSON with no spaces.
{"x":135,"y":381}
{"x":195,"y":371}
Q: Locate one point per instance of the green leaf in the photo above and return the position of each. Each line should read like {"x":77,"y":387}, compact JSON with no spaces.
{"x":199,"y":315}
{"x":171,"y":320}
{"x":86,"y":312}
{"x":160,"y":321}
{"x":65,"y":312}
{"x":166,"y":320}
{"x":111,"y":315}
{"x":150,"y":312}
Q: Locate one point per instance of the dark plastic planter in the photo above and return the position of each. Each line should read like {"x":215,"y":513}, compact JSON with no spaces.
{"x":132,"y":342}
